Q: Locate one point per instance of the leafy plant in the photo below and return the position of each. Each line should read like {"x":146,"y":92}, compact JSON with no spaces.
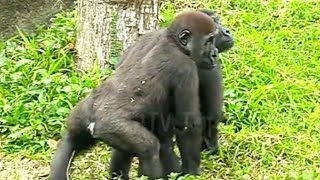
{"x":272,"y":90}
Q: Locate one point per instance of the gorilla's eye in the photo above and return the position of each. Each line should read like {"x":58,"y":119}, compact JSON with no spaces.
{"x":184,"y":37}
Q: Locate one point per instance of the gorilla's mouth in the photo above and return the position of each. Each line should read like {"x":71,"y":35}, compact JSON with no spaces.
{"x":229,"y":42}
{"x":226,"y":46}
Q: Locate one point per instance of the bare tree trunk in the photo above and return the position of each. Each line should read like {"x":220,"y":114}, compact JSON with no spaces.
{"x":93,"y":40}
{"x":140,"y":17}
{"x":95,"y":18}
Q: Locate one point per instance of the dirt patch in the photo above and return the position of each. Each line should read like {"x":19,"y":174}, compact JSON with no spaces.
{"x":22,"y":168}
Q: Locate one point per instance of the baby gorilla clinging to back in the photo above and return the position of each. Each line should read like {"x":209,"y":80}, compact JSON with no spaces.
{"x":163,"y":82}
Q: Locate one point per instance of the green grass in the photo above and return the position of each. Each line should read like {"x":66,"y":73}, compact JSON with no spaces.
{"x":272,"y":92}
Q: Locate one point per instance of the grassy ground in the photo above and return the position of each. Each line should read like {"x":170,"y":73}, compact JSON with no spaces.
{"x":272,"y":83}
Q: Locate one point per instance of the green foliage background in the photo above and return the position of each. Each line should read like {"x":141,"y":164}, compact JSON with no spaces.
{"x":272,"y":89}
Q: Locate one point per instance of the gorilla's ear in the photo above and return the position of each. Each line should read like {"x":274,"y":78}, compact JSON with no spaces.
{"x":184,"y":37}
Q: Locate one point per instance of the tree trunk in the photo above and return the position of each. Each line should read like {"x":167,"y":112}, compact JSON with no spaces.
{"x":104,"y":22}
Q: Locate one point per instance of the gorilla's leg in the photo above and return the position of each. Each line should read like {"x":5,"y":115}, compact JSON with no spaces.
{"x":211,"y":98}
{"x":131,"y":136}
{"x":210,"y":142}
{"x":168,"y":157}
{"x":120,"y":160}
{"x":69,"y":145}
{"x":189,"y":143}
{"x":120,"y":164}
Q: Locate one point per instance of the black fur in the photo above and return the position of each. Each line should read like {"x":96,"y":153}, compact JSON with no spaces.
{"x":211,"y":98}
{"x":211,"y":89}
{"x":154,"y":84}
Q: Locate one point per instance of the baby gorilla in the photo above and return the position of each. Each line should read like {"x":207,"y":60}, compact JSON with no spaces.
{"x":163,"y":82}
{"x":211,"y":101}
